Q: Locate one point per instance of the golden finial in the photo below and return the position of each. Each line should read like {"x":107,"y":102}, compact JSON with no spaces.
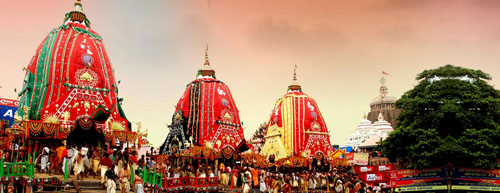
{"x":206,"y":70}
{"x":207,"y":62}
{"x":295,"y":85}
{"x":295,"y":73}
{"x":77,"y":14}
{"x":78,"y":6}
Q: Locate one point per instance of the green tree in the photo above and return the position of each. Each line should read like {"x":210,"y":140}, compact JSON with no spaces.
{"x":451,"y":116}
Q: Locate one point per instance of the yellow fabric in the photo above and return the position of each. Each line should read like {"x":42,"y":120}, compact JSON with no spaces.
{"x":337,"y":153}
{"x":276,"y":186}
{"x":95,"y":165}
{"x":274,"y":144}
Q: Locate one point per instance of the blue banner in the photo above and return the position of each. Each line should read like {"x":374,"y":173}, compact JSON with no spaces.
{"x":7,"y":114}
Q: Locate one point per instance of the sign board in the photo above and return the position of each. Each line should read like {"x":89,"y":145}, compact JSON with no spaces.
{"x":460,"y":179}
{"x":478,"y":188}
{"x":375,"y":177}
{"x":476,"y":173}
{"x":364,"y":169}
{"x":361,"y":159}
{"x":375,"y":174}
{"x":349,"y":156}
{"x":385,"y":167}
{"x":420,"y":188}
{"x":374,"y":168}
{"x":418,"y":174}
{"x":8,"y":109}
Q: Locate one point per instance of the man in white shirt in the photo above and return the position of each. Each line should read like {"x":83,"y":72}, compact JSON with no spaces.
{"x":45,"y":158}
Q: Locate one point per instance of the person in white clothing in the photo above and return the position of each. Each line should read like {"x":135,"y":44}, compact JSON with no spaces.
{"x":110,"y":180}
{"x":262,"y":185}
{"x":45,"y":158}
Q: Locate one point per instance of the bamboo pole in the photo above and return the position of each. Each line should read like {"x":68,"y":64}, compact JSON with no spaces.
{"x":13,"y":146}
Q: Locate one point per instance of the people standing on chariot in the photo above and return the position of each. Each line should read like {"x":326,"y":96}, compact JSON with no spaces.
{"x":104,"y":163}
{"x":44,"y":159}
{"x":79,"y":167}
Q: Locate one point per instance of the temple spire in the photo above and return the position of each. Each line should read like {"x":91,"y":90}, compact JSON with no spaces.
{"x":206,"y":70}
{"x":295,"y":73}
{"x":78,"y":6}
{"x":207,"y":62}
{"x":295,"y":86}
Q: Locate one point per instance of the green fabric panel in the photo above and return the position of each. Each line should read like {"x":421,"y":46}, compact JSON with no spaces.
{"x":120,"y":110}
{"x":100,"y":114}
{"x":54,"y":65}
{"x":26,"y":92}
{"x":61,"y":78}
{"x":80,"y":30}
{"x":122,"y":114}
{"x":46,"y":73}
{"x":38,"y":95}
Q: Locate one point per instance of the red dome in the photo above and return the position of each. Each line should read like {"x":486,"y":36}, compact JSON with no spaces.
{"x":296,"y":127}
{"x":207,"y":114}
{"x":70,"y":77}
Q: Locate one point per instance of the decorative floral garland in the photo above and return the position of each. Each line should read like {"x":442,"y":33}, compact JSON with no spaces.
{"x":108,"y":135}
{"x":206,"y":151}
{"x":319,"y":156}
{"x":227,"y":152}
{"x":214,"y":155}
{"x":122,"y":136}
{"x":132,"y":137}
{"x":49,"y":129}
{"x":34,"y":127}
{"x":86,"y":124}
{"x":64,"y":130}
{"x":197,"y":151}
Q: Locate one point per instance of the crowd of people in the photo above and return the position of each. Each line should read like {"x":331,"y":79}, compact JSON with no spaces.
{"x":114,"y":167}
{"x":250,"y":179}
{"x":340,"y":179}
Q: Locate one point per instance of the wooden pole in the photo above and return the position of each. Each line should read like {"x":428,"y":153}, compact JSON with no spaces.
{"x":18,"y":152}
{"x":13,"y":146}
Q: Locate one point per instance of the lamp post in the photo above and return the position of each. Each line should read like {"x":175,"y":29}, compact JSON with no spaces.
{"x":449,"y":175}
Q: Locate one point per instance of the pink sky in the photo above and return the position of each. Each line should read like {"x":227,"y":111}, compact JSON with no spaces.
{"x":340,"y":47}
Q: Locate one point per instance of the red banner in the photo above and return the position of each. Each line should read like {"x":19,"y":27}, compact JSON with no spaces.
{"x":364,"y":169}
{"x":381,"y":184}
{"x":376,"y":174}
{"x":375,"y":177}
{"x":386,"y":167}
{"x":375,"y":168}
{"x":349,"y":156}
{"x":399,"y":183}
{"x":397,"y":174}
{"x":496,"y":182}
